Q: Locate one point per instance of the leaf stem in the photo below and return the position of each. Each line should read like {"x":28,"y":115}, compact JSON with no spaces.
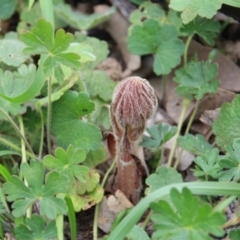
{"x":95,"y":227}
{"x":14,"y":147}
{"x":17,"y":130}
{"x":180,"y":123}
{"x":49,"y":112}
{"x":24,"y":159}
{"x":39,"y":110}
{"x":187,"y":130}
{"x":186,"y":49}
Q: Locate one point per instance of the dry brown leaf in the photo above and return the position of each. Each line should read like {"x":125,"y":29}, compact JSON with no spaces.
{"x":118,"y":26}
{"x":109,"y":209}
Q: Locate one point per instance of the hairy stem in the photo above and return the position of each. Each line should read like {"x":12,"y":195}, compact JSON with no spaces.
{"x":49,"y":114}
{"x":186,"y":49}
{"x":42,"y":132}
{"x":95,"y":227}
{"x":180,"y":123}
{"x":14,"y":147}
{"x":17,"y":130}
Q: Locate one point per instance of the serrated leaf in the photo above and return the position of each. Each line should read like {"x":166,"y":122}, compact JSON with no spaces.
{"x":67,"y":162}
{"x":151,"y":38}
{"x":96,"y":157}
{"x":147,"y":10}
{"x":208,"y":29}
{"x":40,"y":188}
{"x":196,"y":79}
{"x":230,"y":163}
{"x":68,"y":125}
{"x":11,"y":52}
{"x":98,"y":84}
{"x":137,"y":233}
{"x":193,"y":217}
{"x":41,"y":40}
{"x":191,"y":8}
{"x":197,"y":145}
{"x":227,"y":126}
{"x":7,"y":8}
{"x":80,"y":21}
{"x":207,"y":165}
{"x":35,"y":228}
{"x":85,"y":201}
{"x":99,"y":48}
{"x":163,"y":177}
{"x":234,"y":234}
{"x":159,"y":134}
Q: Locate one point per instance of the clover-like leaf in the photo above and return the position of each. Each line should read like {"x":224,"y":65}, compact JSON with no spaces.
{"x":68,"y":124}
{"x":159,"y":134}
{"x":227,"y":126}
{"x":79,"y":20}
{"x":191,"y":8}
{"x":234,"y":234}
{"x":162,"y":41}
{"x":193,"y":217}
{"x":147,"y":10}
{"x":99,"y":48}
{"x":197,"y":145}
{"x":40,"y":188}
{"x":98,"y":84}
{"x":35,"y":228}
{"x":11,"y":52}
{"x":196,"y":79}
{"x":207,"y":165}
{"x":67,"y":162}
{"x":41,"y":40}
{"x":163,"y":177}
{"x":208,"y":29}
{"x":230,"y":163}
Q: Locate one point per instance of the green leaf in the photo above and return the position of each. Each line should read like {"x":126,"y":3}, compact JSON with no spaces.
{"x":162,"y":177}
{"x":208,"y":29}
{"x":147,"y":10}
{"x":96,"y":157}
{"x":68,"y":125}
{"x":67,"y":162}
{"x":98,"y":84}
{"x":197,"y":145}
{"x":33,"y":90}
{"x":99,"y":48}
{"x":100,"y":116}
{"x":85,"y":200}
{"x":191,"y":8}
{"x":138,"y":233}
{"x":207,"y":165}
{"x":227,"y":126}
{"x":80,"y":21}
{"x":40,"y":188}
{"x":159,"y":134}
{"x":234,"y":234}
{"x":35,"y":229}
{"x":7,"y":8}
{"x":193,"y":216}
{"x":231,"y":163}
{"x":41,"y":41}
{"x":196,"y":79}
{"x":138,"y":2}
{"x":11,"y":52}
{"x":151,"y":38}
